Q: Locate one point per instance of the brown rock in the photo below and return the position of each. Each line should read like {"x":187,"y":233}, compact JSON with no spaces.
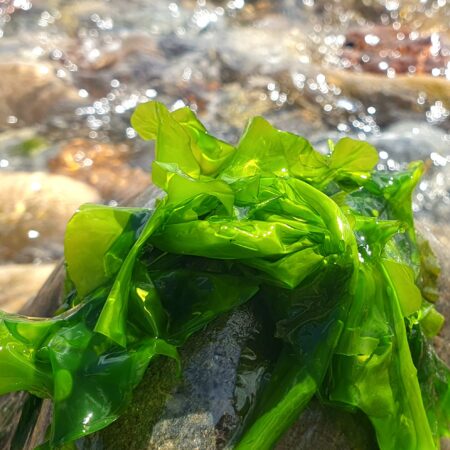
{"x":391,"y":96}
{"x":103,"y":166}
{"x":365,"y":48}
{"x":20,"y":282}
{"x":34,"y":210}
{"x":30,"y":91}
{"x":111,"y":53}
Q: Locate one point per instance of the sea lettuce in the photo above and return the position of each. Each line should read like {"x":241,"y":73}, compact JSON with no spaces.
{"x":324,"y":244}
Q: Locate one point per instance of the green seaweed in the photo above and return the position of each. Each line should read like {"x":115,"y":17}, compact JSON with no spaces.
{"x":325,"y":242}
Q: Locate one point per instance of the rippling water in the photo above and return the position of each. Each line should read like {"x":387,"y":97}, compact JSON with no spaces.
{"x":71,"y":73}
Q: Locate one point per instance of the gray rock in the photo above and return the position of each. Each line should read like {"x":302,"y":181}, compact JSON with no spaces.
{"x":412,"y":140}
{"x":198,"y":410}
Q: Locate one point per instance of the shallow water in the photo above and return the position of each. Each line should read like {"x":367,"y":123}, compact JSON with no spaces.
{"x":71,"y":74}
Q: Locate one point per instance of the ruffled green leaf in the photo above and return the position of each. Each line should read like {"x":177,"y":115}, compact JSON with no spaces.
{"x":98,"y":239}
{"x":182,"y":141}
{"x":353,"y":159}
{"x":263,"y":150}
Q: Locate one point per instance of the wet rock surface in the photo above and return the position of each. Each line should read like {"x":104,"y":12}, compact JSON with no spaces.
{"x":196,"y":410}
{"x":201,"y":410}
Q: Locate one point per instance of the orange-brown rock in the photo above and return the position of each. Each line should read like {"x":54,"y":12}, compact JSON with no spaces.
{"x":379,"y":48}
{"x":103,"y":166}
